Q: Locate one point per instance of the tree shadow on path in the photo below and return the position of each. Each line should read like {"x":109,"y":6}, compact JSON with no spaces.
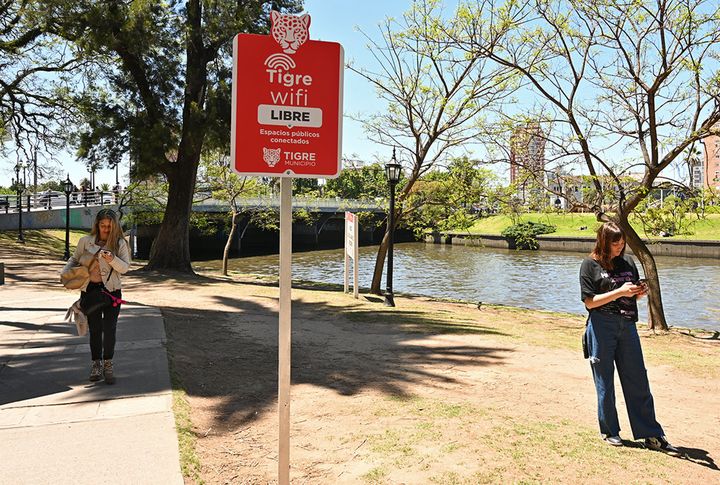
{"x":232,"y":353}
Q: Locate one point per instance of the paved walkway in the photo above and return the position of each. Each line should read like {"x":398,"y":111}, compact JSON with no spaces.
{"x":56,"y":426}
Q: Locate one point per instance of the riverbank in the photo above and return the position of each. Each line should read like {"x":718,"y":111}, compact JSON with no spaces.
{"x":692,"y":248}
{"x":426,"y":392}
{"x":573,"y":224}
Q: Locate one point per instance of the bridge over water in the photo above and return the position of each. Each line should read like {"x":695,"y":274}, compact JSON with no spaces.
{"x":47,"y":211}
{"x":311,"y":204}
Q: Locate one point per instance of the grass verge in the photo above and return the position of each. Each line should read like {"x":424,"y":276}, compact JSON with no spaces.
{"x":189,"y":460}
{"x":569,"y":225}
{"x":47,"y":243}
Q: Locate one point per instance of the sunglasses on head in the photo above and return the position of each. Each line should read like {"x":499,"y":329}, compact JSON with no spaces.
{"x":106,"y":213}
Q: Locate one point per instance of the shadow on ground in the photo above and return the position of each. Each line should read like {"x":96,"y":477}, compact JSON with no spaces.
{"x":232,"y":354}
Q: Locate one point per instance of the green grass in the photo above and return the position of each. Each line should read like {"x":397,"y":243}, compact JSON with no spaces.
{"x":46,"y":243}
{"x":189,"y":460}
{"x":429,"y":432}
{"x":376,"y":475}
{"x":569,"y":225}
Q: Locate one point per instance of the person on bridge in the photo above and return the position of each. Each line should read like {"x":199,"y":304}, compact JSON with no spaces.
{"x":111,"y":259}
{"x":610,"y":287}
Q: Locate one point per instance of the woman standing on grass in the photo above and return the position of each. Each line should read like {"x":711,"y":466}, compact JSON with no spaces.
{"x":111,"y":258}
{"x":610,"y":287}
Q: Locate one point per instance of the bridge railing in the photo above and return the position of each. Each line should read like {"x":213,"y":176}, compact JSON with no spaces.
{"x":55,"y":200}
{"x":305,"y":202}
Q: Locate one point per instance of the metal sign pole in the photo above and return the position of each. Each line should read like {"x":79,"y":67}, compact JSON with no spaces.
{"x":356,"y":256}
{"x":346,"y":287}
{"x":346,"y":250}
{"x":284,"y":333}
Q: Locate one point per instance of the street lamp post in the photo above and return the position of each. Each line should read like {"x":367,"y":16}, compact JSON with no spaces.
{"x":68,"y":190}
{"x":392,"y":172}
{"x":19,"y":188}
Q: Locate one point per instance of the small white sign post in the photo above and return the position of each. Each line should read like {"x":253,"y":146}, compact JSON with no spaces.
{"x":351,"y":251}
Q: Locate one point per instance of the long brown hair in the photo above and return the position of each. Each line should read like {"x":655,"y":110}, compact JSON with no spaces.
{"x":607,"y":234}
{"x":116,"y":233}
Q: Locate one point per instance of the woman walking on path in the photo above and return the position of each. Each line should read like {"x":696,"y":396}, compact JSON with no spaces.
{"x":111,"y":259}
{"x":610,"y":287}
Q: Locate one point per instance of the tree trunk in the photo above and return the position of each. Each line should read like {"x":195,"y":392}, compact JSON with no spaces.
{"x":171,"y":248}
{"x":226,"y":252}
{"x":656,"y":317}
{"x":379,"y":264}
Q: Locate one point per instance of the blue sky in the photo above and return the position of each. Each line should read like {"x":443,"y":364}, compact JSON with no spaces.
{"x":331,"y":20}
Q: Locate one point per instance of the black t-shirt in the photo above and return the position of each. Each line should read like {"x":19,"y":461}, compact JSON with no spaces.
{"x":596,"y":280}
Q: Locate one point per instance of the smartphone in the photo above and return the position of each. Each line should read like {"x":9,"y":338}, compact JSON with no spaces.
{"x":105,"y":252}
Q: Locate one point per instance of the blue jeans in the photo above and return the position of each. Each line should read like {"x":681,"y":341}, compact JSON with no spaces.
{"x":613,"y":340}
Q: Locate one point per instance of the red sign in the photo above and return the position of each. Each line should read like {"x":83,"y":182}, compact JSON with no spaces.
{"x":287,"y":103}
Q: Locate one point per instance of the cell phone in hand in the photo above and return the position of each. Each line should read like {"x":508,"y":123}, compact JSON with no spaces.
{"x":642,"y":282}
{"x":105,"y":252}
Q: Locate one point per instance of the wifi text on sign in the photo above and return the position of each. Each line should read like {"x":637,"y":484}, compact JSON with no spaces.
{"x":287,"y":107}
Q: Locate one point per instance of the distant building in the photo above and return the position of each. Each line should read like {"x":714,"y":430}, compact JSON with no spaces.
{"x":527,"y":151}
{"x":711,"y":166}
{"x":527,"y":161}
{"x":565,"y":190}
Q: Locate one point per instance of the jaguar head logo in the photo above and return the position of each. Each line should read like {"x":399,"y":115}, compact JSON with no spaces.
{"x":289,"y":31}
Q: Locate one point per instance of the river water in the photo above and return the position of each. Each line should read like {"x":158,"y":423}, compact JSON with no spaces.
{"x":543,"y":280}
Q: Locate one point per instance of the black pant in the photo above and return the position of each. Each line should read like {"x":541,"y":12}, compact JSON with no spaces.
{"x":103,"y":325}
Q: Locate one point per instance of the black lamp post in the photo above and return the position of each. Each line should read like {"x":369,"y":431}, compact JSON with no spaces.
{"x":392,"y":172}
{"x":19,"y":188}
{"x":68,"y":190}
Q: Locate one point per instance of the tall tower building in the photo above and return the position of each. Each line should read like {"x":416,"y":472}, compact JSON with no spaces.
{"x":527,"y":151}
{"x":711,"y":169}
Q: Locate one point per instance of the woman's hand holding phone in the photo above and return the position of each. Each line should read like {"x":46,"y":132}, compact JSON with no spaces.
{"x":642,"y":284}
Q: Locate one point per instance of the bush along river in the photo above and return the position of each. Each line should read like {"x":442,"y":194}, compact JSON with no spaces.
{"x":540,"y":280}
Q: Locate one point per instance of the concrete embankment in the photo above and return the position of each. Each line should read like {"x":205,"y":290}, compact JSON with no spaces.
{"x":666,"y":247}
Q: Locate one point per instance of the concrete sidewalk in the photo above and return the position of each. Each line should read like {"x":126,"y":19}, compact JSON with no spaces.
{"x":56,"y":426}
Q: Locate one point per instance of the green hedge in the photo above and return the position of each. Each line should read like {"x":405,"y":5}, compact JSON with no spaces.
{"x":524,"y":235}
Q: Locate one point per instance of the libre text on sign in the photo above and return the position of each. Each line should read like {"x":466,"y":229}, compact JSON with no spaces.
{"x":287,"y":102}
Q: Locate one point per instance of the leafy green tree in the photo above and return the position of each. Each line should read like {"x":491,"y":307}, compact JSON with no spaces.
{"x":669,"y":218}
{"x":358,"y":182}
{"x":436,"y":94}
{"x":158,"y":88}
{"x":641,"y":76}
{"x":32,"y":83}
{"x":449,"y":199}
{"x":225,"y":185}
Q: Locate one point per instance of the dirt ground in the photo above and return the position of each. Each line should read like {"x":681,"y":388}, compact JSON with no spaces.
{"x":427,"y":392}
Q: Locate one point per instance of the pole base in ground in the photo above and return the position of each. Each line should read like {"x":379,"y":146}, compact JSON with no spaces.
{"x":389,"y":299}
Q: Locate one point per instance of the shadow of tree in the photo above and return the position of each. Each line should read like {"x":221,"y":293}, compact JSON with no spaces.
{"x":344,"y":349}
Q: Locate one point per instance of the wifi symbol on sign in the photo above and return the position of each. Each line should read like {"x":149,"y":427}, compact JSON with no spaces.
{"x":281,"y":61}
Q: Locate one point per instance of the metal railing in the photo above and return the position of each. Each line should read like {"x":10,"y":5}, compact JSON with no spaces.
{"x":56,"y":200}
{"x":306,"y":202}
